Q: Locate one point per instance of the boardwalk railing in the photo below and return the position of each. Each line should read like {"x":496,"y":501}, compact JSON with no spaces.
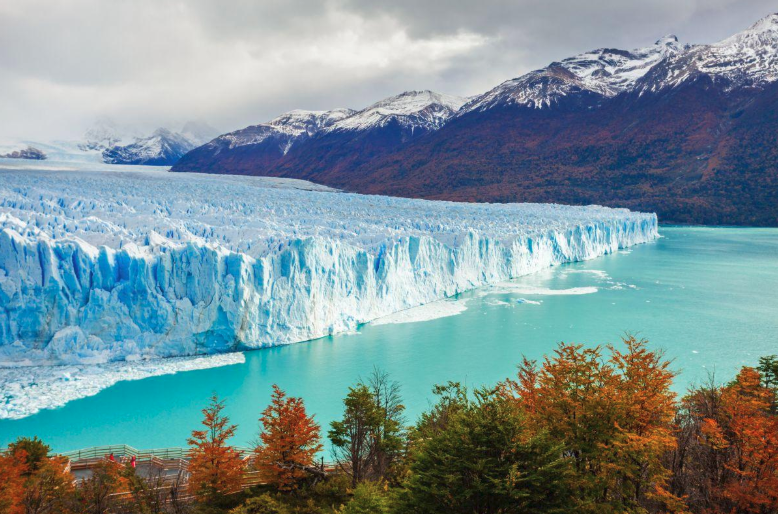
{"x":123,"y":450}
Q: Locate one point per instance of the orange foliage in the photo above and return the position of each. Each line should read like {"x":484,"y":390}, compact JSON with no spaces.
{"x":749,"y":429}
{"x":12,"y":468}
{"x":215,"y":467}
{"x":290,"y":441}
{"x":50,"y":486}
{"x":614,"y":418}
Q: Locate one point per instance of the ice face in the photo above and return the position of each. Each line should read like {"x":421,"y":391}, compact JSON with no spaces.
{"x":98,"y":267}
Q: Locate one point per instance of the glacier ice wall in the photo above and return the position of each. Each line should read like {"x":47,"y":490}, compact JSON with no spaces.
{"x":98,"y":267}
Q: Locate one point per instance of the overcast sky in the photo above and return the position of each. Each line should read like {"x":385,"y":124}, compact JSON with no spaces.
{"x":148,"y":63}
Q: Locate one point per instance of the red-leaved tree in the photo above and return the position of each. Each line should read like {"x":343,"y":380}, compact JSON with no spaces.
{"x":12,"y":468}
{"x":215,"y":467}
{"x":289,"y":442}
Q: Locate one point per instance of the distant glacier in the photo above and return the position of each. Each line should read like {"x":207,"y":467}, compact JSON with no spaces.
{"x":109,"y":266}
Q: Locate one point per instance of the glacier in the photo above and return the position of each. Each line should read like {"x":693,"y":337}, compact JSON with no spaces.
{"x":97,"y":267}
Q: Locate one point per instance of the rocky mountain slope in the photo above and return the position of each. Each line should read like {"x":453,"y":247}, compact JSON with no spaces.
{"x":688,"y":131}
{"x":337,"y":138}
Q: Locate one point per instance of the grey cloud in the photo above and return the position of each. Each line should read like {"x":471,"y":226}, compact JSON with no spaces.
{"x":237,"y":62}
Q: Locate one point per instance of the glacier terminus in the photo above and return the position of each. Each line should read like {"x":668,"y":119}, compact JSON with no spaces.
{"x":97,"y":267}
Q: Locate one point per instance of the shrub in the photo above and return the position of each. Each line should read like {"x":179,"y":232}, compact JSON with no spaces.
{"x":368,"y":498}
{"x":264,"y":504}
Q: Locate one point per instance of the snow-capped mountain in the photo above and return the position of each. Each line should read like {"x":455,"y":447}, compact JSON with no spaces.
{"x":749,"y":58}
{"x":688,"y":131}
{"x":376,"y":129}
{"x":163,"y":148}
{"x":415,"y":111}
{"x":604,"y":72}
{"x":282,"y":132}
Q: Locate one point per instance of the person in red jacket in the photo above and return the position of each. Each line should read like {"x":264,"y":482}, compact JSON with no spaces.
{"x":132,"y":461}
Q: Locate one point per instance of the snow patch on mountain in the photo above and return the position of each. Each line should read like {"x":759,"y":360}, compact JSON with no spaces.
{"x":414,"y":110}
{"x":606,"y":72}
{"x":100,"y":267}
{"x":285,"y":130}
{"x":749,"y":58}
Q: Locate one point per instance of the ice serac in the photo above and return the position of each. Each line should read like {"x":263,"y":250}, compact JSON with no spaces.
{"x":98,"y":267}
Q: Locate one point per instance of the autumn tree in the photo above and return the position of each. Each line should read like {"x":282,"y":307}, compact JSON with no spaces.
{"x":215,"y":468}
{"x":613,"y":415}
{"x":748,"y":429}
{"x":49,"y":489}
{"x":644,"y":426}
{"x":47,"y":486}
{"x":727,"y":452}
{"x":290,"y":441}
{"x":13,"y":466}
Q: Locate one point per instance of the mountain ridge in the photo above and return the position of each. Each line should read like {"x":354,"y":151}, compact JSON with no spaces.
{"x":687,"y":131}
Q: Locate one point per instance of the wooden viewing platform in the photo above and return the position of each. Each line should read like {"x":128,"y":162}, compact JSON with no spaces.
{"x":169,"y":464}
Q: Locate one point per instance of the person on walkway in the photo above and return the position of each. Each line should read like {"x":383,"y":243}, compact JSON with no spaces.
{"x":111,"y":457}
{"x":132,"y":461}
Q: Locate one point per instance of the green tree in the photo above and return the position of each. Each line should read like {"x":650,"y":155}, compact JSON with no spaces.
{"x":452,"y":398}
{"x":483,"y":459}
{"x":353,"y":438}
{"x":389,"y":436}
{"x":36,"y":451}
{"x":768,"y":368}
{"x":369,"y":441}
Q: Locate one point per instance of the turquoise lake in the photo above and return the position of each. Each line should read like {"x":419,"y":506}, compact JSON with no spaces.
{"x":707,"y":296}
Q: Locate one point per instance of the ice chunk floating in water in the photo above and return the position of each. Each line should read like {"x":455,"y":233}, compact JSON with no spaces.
{"x":98,"y":267}
{"x":26,"y":390}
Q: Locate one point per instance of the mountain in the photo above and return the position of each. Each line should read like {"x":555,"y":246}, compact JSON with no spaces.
{"x":333,"y":139}
{"x":601,"y":73}
{"x":106,"y":133}
{"x":687,"y":131}
{"x":28,"y":152}
{"x":414,"y":112}
{"x":162,"y":148}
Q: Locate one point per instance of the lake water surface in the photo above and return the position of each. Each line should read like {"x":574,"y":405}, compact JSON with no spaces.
{"x":707,"y":296}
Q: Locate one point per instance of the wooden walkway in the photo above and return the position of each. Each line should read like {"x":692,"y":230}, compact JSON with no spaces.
{"x":172,"y":464}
